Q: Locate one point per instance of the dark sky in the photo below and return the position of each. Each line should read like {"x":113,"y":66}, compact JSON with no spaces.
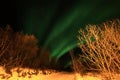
{"x":8,"y":12}
{"x":9,"y":8}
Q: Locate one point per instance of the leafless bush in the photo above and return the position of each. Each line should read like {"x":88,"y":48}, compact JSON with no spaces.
{"x":16,"y":48}
{"x":101,"y":47}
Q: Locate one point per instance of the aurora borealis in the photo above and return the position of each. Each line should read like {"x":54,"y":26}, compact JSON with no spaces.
{"x":56,"y":22}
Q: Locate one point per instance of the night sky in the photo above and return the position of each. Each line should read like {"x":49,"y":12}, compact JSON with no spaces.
{"x":56,"y":22}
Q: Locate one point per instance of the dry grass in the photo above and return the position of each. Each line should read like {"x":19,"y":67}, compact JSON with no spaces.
{"x":101,"y":47}
{"x":77,"y":64}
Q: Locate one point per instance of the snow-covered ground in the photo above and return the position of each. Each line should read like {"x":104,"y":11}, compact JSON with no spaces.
{"x":30,"y":74}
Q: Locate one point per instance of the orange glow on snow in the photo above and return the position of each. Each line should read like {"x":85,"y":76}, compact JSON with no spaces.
{"x":40,"y":76}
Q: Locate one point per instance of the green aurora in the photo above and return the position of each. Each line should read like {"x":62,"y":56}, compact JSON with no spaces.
{"x":56,"y":23}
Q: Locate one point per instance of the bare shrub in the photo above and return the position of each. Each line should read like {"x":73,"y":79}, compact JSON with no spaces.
{"x":16,"y":49}
{"x":101,"y":47}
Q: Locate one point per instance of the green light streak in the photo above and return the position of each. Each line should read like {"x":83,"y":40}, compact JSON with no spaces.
{"x":65,"y":49}
{"x":67,"y":25}
{"x":61,"y":26}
